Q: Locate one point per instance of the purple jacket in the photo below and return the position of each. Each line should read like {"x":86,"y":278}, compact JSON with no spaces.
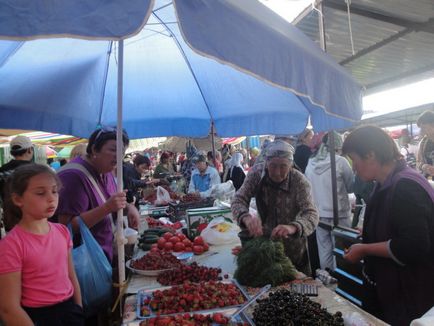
{"x":401,"y":211}
{"x":77,"y":196}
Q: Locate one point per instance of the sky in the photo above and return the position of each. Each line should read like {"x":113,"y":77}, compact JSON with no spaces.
{"x":399,"y":98}
{"x":288,"y":9}
{"x":395,"y":99}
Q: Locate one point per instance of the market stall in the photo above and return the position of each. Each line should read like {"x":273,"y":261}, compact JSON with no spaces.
{"x":218,"y":261}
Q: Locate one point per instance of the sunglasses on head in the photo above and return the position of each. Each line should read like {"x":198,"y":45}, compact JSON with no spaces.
{"x":108,"y":130}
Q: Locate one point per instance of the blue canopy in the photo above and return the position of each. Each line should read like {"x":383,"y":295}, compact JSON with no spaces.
{"x":234,"y":63}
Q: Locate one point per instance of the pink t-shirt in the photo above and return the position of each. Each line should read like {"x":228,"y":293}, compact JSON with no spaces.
{"x":42,"y":261}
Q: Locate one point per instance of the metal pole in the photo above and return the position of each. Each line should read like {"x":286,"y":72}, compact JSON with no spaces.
{"x":213,"y":144}
{"x":321,"y":28}
{"x":333,"y":173}
{"x":331,"y":135}
{"x":120,"y":239}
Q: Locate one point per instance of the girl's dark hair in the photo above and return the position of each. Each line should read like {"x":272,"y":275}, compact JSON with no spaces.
{"x":367,"y":139}
{"x":140,"y":159}
{"x":17,"y":183}
{"x":102,"y":135}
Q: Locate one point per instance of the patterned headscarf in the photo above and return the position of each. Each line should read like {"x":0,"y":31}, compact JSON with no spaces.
{"x":279,"y":148}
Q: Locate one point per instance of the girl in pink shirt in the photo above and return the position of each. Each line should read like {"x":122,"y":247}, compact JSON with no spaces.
{"x":37,"y":278}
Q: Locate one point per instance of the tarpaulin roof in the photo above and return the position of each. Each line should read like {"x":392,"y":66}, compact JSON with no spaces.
{"x":393,"y":39}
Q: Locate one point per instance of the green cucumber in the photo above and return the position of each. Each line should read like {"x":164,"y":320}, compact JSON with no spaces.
{"x":145,"y":246}
{"x":150,"y":239}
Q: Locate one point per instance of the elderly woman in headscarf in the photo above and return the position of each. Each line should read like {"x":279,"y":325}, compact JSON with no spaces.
{"x":318,"y":172}
{"x":236,"y":173}
{"x":283,"y":198}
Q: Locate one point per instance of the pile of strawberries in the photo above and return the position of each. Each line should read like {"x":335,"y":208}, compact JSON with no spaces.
{"x":191,"y":198}
{"x":193,"y":273}
{"x":156,"y":261}
{"x":153,"y":223}
{"x":194,"y":296}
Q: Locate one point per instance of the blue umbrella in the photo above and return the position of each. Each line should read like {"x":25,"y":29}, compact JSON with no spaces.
{"x":191,"y":64}
{"x":233,"y":63}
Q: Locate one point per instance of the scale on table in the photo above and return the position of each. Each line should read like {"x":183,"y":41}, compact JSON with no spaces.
{"x":206,"y":213}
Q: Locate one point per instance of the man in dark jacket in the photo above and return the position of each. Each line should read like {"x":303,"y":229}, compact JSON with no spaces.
{"x":22,"y":151}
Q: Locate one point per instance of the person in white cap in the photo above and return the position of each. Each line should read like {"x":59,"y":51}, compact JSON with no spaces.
{"x":22,"y":151}
{"x":284,"y":201}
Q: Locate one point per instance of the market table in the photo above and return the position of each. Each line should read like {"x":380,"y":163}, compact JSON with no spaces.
{"x":221,"y":256}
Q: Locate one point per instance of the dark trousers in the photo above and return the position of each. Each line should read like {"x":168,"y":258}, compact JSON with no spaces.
{"x":312,"y":246}
{"x":66,"y":313}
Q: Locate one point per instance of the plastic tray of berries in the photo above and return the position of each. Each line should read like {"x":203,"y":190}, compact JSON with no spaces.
{"x":223,"y":317}
{"x":189,"y":297}
{"x":285,"y":307}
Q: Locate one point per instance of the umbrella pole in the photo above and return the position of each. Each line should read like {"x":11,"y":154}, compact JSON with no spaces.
{"x":213,"y":144}
{"x":120,"y":239}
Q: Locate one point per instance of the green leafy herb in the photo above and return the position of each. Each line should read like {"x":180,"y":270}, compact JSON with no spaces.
{"x":262,"y":261}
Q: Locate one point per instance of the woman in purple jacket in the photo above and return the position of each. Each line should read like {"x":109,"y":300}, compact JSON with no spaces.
{"x":89,"y":188}
{"x":398,"y":230}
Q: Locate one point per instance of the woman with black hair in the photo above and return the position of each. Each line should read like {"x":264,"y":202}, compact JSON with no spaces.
{"x":132,"y":176}
{"x":398,"y":230}
{"x":165,"y":168}
{"x":89,"y":188}
{"x":303,"y":150}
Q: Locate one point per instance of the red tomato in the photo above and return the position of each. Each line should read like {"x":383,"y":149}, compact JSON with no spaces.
{"x":198,"y":241}
{"x":167,"y":235}
{"x":205,"y":247}
{"x":168,"y":246}
{"x":154,"y":245}
{"x":201,"y":227}
{"x":187,"y":242}
{"x":179,"y":246}
{"x":181,"y":236}
{"x":155,"y":249}
{"x":188,"y":249}
{"x":174,"y":240}
{"x":198,"y":250}
{"x":161,"y":242}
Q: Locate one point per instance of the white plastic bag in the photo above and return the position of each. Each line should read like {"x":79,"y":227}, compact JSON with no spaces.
{"x":163,"y":196}
{"x":223,"y":191}
{"x":355,"y":319}
{"x":219,"y":231}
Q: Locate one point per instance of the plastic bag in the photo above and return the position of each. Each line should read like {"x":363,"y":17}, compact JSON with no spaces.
{"x":223,"y":191}
{"x":94,"y":272}
{"x":355,"y":319}
{"x":163,"y":196}
{"x":220,"y":231}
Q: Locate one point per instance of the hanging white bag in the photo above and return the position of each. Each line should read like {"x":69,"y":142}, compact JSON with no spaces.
{"x":163,"y":196}
{"x":220,"y":231}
